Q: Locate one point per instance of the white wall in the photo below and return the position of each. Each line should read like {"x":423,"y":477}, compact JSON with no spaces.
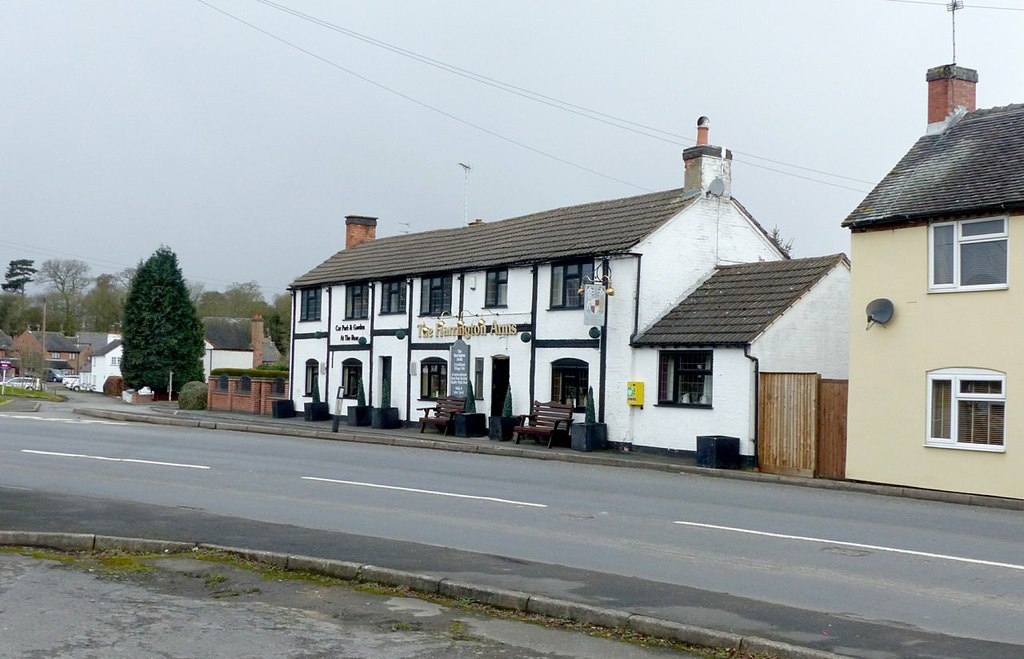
{"x":813,"y":336}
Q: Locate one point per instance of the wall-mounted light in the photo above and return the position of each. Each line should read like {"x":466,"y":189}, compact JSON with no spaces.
{"x":600,"y":278}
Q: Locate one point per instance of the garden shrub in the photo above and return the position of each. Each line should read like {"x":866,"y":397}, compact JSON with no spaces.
{"x":192,"y":396}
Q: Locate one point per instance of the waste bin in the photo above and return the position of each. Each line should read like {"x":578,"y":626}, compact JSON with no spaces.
{"x":718,"y":452}
{"x":282,"y":409}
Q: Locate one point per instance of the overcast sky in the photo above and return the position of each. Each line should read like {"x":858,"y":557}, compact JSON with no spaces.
{"x":128,"y":124}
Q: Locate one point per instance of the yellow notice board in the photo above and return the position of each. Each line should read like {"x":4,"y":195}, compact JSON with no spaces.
{"x":635,"y":393}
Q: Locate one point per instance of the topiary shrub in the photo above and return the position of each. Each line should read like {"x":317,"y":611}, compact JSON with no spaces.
{"x":192,"y":396}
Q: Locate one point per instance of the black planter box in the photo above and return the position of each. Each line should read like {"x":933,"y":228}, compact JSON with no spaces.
{"x":470,"y":425}
{"x":588,"y":436}
{"x":282,"y":409}
{"x":718,"y":452}
{"x":500,"y":427}
{"x":318,"y":411}
{"x":360,"y":415}
{"x":385,"y":418}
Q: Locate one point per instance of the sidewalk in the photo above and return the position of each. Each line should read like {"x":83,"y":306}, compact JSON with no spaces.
{"x":169,"y":414}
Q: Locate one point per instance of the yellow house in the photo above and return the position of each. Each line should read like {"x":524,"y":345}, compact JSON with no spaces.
{"x":937,"y":304}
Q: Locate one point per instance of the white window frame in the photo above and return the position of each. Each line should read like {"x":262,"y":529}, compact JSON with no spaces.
{"x":955,"y":376}
{"x":958,"y":240}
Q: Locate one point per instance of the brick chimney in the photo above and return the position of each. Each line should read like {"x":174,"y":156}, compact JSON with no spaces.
{"x":359,"y":229}
{"x":703,"y":164}
{"x":256,"y":336}
{"x":949,"y":87}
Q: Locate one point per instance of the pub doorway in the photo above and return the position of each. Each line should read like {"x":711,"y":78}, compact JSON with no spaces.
{"x":499,"y":383}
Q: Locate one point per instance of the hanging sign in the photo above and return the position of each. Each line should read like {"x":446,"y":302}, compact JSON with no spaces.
{"x":593,"y":305}
{"x":458,"y":372}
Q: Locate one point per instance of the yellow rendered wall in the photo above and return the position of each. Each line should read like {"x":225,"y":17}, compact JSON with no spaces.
{"x":888,"y":366}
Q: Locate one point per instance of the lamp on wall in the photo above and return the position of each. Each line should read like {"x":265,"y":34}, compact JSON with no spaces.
{"x":603,"y":277}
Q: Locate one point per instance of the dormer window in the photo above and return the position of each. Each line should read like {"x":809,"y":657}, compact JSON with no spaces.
{"x":967,"y":255}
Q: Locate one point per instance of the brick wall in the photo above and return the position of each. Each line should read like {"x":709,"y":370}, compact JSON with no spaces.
{"x":258,"y":400}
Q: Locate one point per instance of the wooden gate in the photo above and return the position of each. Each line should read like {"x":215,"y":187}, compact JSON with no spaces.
{"x":802,"y":425}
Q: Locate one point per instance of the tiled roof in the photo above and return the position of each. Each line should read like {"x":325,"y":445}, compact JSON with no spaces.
{"x":601,"y":228}
{"x":109,"y":348}
{"x":738,"y":302}
{"x":229,"y":333}
{"x":56,"y":342}
{"x":975,"y":167}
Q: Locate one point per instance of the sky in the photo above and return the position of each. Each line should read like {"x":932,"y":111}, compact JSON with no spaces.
{"x":240,"y":133}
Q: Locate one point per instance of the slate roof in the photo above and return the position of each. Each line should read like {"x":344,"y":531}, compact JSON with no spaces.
{"x":599,"y":228}
{"x":107,"y":349}
{"x":228,"y":333}
{"x":738,"y":302}
{"x":973,"y":168}
{"x":56,"y":342}
{"x":94,"y":340}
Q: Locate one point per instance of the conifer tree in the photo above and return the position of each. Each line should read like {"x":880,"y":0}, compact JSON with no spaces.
{"x":162,"y":332}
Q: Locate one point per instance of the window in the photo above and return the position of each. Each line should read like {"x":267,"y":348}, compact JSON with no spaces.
{"x":436,"y":295}
{"x":433,"y":378}
{"x":569,"y":382}
{"x":392,"y":299}
{"x":496,"y":294}
{"x":478,"y":378}
{"x":966,"y":409}
{"x":278,"y":387}
{"x":566,"y":279}
{"x":967,"y":255}
{"x":684,"y":378}
{"x":223,"y":382}
{"x":357,"y":301}
{"x":351,"y":373}
{"x":244,"y":385}
{"x":312,"y":373}
{"x":309,"y":301}
{"x":115,"y":361}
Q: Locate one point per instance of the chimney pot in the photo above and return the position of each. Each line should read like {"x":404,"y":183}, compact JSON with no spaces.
{"x":359,"y":229}
{"x":703,"y":127}
{"x":949,"y":87}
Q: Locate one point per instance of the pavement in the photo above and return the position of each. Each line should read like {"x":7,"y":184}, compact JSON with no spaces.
{"x":524,"y":587}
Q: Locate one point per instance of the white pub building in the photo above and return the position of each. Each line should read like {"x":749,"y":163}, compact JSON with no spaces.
{"x":598,"y":295}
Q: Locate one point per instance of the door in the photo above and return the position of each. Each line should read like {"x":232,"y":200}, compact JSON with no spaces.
{"x":499,"y":383}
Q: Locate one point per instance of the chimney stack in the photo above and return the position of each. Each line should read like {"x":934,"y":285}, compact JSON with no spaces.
{"x":703,"y":164}
{"x":949,"y":87}
{"x":256,"y":336}
{"x":359,"y":229}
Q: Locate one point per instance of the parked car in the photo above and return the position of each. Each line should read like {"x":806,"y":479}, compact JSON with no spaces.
{"x":72,"y":382}
{"x":54,"y":375}
{"x":21,"y":382}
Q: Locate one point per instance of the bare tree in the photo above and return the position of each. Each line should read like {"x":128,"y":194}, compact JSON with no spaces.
{"x":67,"y":279}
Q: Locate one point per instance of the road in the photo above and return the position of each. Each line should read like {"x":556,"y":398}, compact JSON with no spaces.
{"x":930,"y":567}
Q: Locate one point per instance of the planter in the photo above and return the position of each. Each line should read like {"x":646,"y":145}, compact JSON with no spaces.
{"x":470,"y":425}
{"x":360,"y":415}
{"x":317,"y":411}
{"x":588,"y":436}
{"x":718,"y":452}
{"x":282,"y":409}
{"x":500,"y":427}
{"x":385,"y":418}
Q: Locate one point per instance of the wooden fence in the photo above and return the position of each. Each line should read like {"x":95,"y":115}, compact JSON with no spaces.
{"x":802,"y":425}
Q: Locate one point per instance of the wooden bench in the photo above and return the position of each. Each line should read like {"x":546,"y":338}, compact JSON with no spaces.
{"x":442,"y":415}
{"x":546,"y":420}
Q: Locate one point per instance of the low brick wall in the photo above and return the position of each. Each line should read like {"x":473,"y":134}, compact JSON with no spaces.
{"x":257,"y":400}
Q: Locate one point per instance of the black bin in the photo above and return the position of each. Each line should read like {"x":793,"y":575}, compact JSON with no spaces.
{"x":282,"y":409}
{"x":718,"y":452}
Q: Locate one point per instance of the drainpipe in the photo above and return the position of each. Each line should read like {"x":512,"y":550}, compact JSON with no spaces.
{"x":757,"y":400}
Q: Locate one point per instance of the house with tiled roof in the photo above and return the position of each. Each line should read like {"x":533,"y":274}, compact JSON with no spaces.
{"x":60,"y":352}
{"x":104,"y":363}
{"x":546,"y":305}
{"x":937,"y":283}
{"x":236,"y":343}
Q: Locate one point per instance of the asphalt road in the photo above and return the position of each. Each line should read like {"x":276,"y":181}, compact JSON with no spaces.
{"x":806,"y":566}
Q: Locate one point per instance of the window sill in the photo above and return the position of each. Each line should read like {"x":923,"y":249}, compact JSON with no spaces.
{"x":435,"y":315}
{"x":970,"y":289}
{"x":495,"y":306}
{"x":579,"y":308}
{"x":697,"y":406}
{"x":392,"y":313}
{"x":356,"y":318}
{"x":983,"y":448}
{"x":309,"y":320}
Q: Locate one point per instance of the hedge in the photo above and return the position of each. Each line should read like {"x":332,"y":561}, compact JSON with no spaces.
{"x":251,"y":372}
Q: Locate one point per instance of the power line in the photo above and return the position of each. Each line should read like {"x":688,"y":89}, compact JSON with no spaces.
{"x":595,"y":115}
{"x":943,"y":4}
{"x":588,"y":113}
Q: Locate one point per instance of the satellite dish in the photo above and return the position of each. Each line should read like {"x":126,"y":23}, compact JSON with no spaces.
{"x":879,"y":311}
{"x":717,"y":187}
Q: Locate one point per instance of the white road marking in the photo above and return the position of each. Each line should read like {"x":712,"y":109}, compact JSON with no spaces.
{"x":418,"y":491}
{"x":47,"y":418}
{"x":106,"y":459}
{"x":895,"y":550}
